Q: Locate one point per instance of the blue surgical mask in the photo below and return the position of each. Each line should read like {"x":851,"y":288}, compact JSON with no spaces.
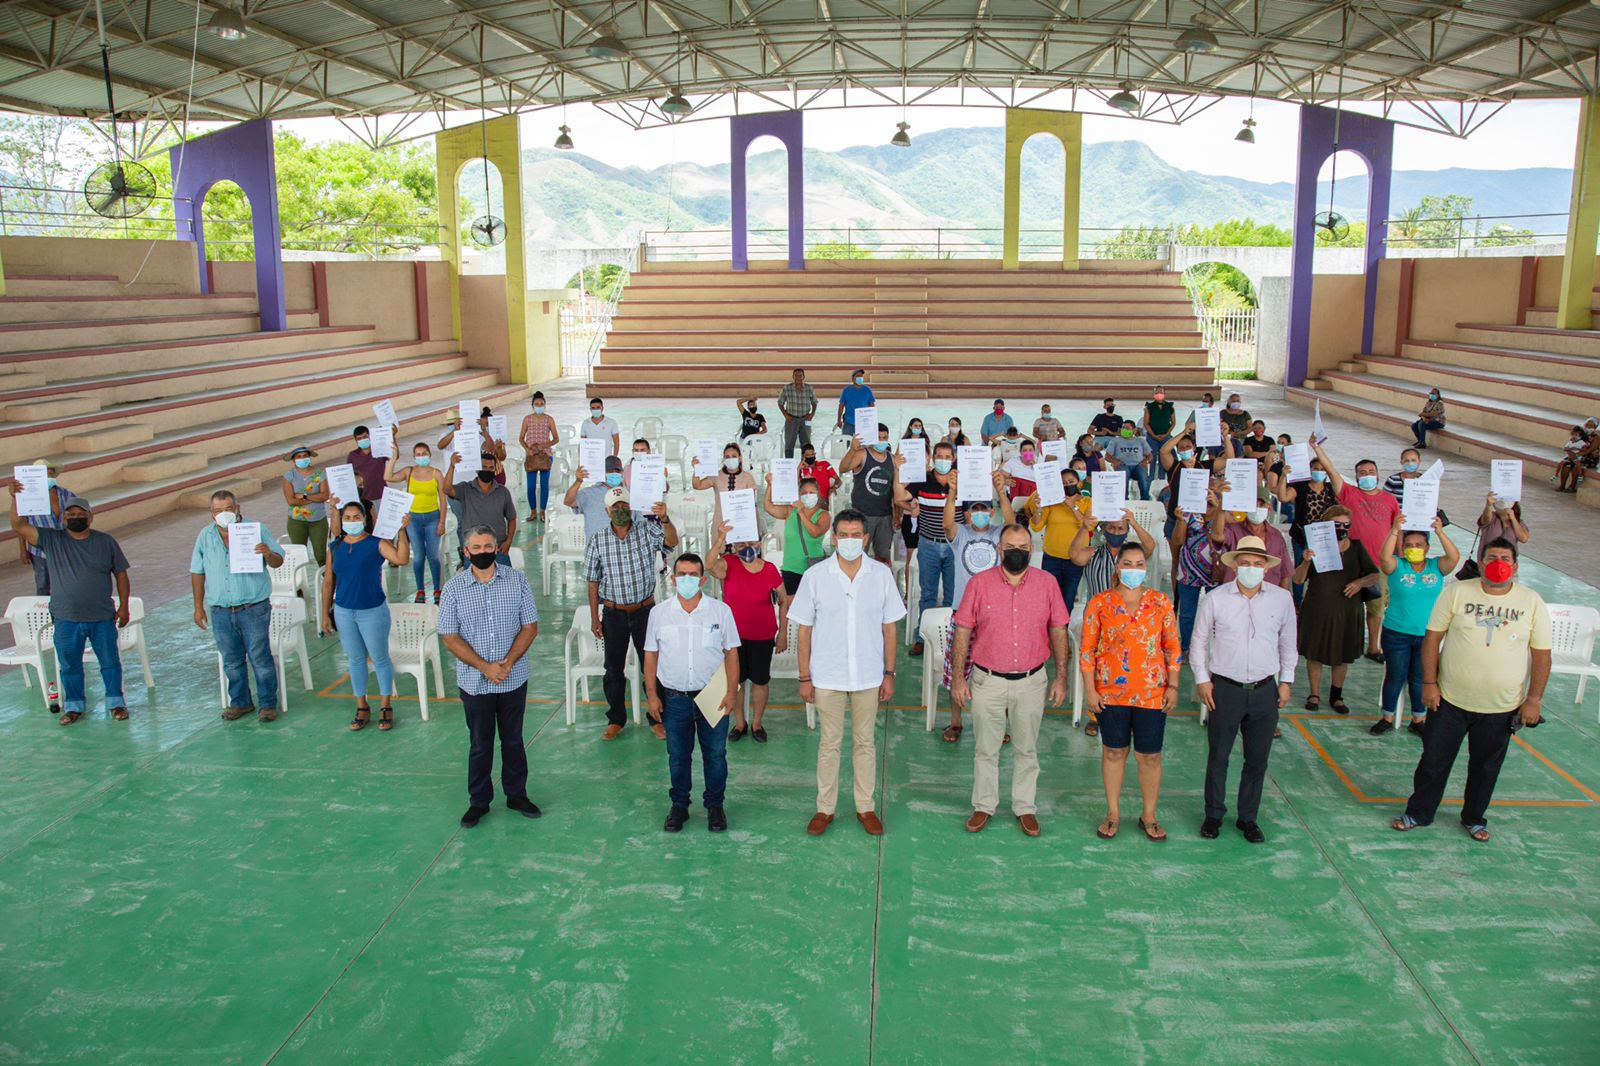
{"x":423,"y":460}
{"x":597,"y":415}
{"x":303,"y":463}
{"x":538,"y":408}
{"x":613,"y":480}
{"x":858,"y":379}
{"x":688,"y":585}
{"x":1132,"y":578}
{"x":50,"y":481}
{"x":364,"y":443}
{"x":354,"y":529}
{"x":942,"y":466}
{"x":980,"y":519}
{"x":1185,"y":455}
{"x":1410,"y":468}
{"x":1319,"y":476}
{"x":880,"y":445}
{"x":1367,"y":482}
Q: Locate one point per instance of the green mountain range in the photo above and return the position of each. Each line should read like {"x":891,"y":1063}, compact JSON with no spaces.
{"x":951,"y":179}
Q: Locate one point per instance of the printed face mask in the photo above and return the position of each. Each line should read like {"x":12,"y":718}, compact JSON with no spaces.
{"x":748,"y":553}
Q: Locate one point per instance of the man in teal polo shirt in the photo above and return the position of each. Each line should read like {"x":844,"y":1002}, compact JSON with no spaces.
{"x":239,"y":610}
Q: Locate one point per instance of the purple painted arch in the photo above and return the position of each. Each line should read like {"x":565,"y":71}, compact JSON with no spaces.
{"x":787,"y":127}
{"x":242,"y":154}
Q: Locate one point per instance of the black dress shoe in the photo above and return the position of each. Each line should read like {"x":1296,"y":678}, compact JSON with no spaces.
{"x":675,"y":819}
{"x":1252,"y":832}
{"x":470,"y":819}
{"x":1211,"y":828}
{"x":523,"y":804}
{"x":716,"y":819}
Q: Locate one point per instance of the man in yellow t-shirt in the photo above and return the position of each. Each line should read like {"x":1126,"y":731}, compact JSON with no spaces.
{"x":1485,"y":662}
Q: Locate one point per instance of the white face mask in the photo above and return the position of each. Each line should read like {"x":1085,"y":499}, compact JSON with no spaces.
{"x":1259,"y":515}
{"x":225,"y":519}
{"x":808,"y":500}
{"x":850,"y":548}
{"x":1251,"y":576}
{"x":730,"y":465}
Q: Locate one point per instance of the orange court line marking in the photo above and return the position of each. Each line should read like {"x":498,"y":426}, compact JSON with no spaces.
{"x":1362,"y":797}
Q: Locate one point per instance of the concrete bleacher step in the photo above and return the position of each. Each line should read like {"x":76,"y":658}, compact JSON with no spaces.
{"x":1506,"y":383}
{"x":1045,"y":386}
{"x":31,"y":336}
{"x":242,"y":487}
{"x":59,"y":308}
{"x":45,"y":408}
{"x":986,"y":308}
{"x":1578,"y":369}
{"x":933,"y":297}
{"x":165,"y":465}
{"x":80,"y":285}
{"x":68,"y":364}
{"x":722,"y":360}
{"x":1469,"y":442}
{"x":1546,"y":316}
{"x":1490,"y":409}
{"x":1030,"y":320}
{"x":105,"y":438}
{"x":1538,"y":338}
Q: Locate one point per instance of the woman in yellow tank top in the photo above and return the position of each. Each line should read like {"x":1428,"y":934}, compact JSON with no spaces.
{"x":425,"y":482}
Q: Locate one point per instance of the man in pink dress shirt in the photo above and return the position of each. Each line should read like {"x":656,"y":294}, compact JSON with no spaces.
{"x":1011,"y":619}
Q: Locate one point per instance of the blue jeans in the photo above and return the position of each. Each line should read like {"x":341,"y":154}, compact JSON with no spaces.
{"x":70,"y":637}
{"x":424,"y":531}
{"x":241,"y":637}
{"x":1188,"y":607}
{"x":1139,"y":474}
{"x":1419,"y":430}
{"x":1402,"y":669}
{"x":935,"y":560}
{"x":683,"y":722}
{"x":1067,"y":577}
{"x":1156,"y":471}
{"x":1297,"y":590}
{"x":538,"y":489}
{"x":365,"y":635}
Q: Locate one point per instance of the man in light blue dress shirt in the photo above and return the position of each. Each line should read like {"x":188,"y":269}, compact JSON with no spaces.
{"x":238,"y":610}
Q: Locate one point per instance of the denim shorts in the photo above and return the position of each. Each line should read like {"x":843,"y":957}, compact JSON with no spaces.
{"x":1146,"y":726}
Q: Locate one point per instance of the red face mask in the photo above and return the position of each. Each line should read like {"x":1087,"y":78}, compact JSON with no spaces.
{"x":1498,"y":571}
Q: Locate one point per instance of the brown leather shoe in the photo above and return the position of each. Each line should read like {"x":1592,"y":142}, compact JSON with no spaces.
{"x":659,"y":730}
{"x":1030,"y":824}
{"x":267,"y":714}
{"x":976,"y":823}
{"x":819,"y":824}
{"x":613,"y":731}
{"x":233,"y":714}
{"x":869,"y":822}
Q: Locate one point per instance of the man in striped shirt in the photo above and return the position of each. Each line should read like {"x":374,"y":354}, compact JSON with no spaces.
{"x":925,"y":500}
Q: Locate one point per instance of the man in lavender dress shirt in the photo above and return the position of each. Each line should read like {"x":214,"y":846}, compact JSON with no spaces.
{"x":1244,"y":639}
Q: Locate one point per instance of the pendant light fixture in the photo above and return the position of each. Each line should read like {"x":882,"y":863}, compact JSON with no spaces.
{"x":677,"y":105}
{"x":563,"y":137}
{"x":227,"y":24}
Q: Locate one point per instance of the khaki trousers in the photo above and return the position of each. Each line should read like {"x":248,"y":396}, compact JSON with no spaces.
{"x":994,"y":701}
{"x":863,"y":707}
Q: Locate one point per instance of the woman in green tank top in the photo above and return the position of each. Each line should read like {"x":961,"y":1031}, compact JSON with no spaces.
{"x":804,"y":525}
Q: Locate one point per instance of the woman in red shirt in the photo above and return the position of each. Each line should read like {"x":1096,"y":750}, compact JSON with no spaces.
{"x":749,"y":583}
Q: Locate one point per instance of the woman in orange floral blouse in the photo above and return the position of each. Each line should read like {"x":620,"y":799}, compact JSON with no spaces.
{"x":1130,"y":658}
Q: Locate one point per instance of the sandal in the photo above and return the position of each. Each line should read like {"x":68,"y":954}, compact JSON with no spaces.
{"x":385,"y":718}
{"x":1092,"y":729}
{"x":952,"y":733}
{"x":1107,"y":830}
{"x":1480,"y":832}
{"x":1313,"y":702}
{"x":1006,"y":739}
{"x":421,"y":597}
{"x":359,"y":722}
{"x":1153,"y":830}
{"x":1340,"y":706}
{"x":119,"y":713}
{"x":1404,"y":824}
{"x":436,"y":594}
{"x":1277,"y":734}
{"x":69,"y":717}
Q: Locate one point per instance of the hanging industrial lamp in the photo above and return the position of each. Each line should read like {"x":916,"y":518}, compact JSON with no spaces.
{"x":227,"y":24}
{"x":563,"y":139}
{"x":1198,"y":37}
{"x":901,"y":138}
{"x":1248,"y":134}
{"x":1125,"y":100}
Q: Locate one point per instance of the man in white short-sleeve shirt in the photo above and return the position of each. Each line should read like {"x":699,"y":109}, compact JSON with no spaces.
{"x":686,"y":641}
{"x":599,"y":427}
{"x":846,"y":609}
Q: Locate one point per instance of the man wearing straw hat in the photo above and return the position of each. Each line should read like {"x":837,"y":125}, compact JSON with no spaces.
{"x":1243,"y":642}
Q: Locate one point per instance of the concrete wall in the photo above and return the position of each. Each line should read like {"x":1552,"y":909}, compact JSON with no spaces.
{"x":377,"y":294}
{"x":1385,"y":316}
{"x":298,"y":293}
{"x":1335,"y":324}
{"x":544,"y":333}
{"x":1447,"y":291}
{"x":1272,"y":330}
{"x":484,"y":330}
{"x":169,"y":264}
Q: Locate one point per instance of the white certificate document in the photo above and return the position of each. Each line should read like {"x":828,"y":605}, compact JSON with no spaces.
{"x":1110,"y":495}
{"x":739,"y":508}
{"x":342,"y":484}
{"x":1208,"y":427}
{"x":1054,"y":449}
{"x":1419,"y":503}
{"x":1505,"y":479}
{"x":915,"y":468}
{"x":242,"y":540}
{"x":497,"y":427}
{"x":647,"y":484}
{"x":1297,"y":462}
{"x":1321,"y":539}
{"x":392,"y":508}
{"x":592,"y":459}
{"x":1047,"y":482}
{"x":1434,"y":472}
{"x":382,"y":442}
{"x":975,"y":482}
{"x":709,"y":455}
{"x":468,"y":443}
{"x":866,"y":425}
{"x":785,"y":481}
{"x":34,"y":481}
{"x":1192,"y":486}
{"x":384,"y":411}
{"x":469,"y":411}
{"x":1317,"y":435}
{"x":1241,"y":478}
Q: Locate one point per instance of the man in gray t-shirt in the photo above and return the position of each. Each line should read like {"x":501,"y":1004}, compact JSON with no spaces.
{"x":83,"y":565}
{"x":1130,"y":451}
{"x":873,"y":491}
{"x":485,"y":503}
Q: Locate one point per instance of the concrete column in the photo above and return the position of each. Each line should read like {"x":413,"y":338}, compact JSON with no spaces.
{"x":1066,"y":127}
{"x":1583,"y":217}
{"x":788,"y":127}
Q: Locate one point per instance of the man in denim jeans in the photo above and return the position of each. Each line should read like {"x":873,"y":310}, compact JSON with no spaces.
{"x":83,"y":563}
{"x":239,"y":610}
{"x":687,"y":640}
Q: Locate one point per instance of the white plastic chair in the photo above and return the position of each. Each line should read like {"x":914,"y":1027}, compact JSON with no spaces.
{"x":675,"y":447}
{"x":1074,"y":644}
{"x":834,"y":445}
{"x":913,"y":600}
{"x":692,"y":515}
{"x":129,"y":638}
{"x":288,"y":579}
{"x":31,"y":626}
{"x":414,"y":645}
{"x":934,"y":627}
{"x":1572,"y":639}
{"x":309,"y":583}
{"x":647,"y":426}
{"x":786,"y":667}
{"x":286,"y":634}
{"x":583,"y":655}
{"x":758,"y":451}
{"x":563,"y":544}
{"x":518,"y":559}
{"x":1152,"y":516}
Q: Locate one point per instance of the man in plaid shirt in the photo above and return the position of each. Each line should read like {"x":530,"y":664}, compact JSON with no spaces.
{"x":488,"y":620}
{"x":619,"y":563}
{"x":797,"y":402}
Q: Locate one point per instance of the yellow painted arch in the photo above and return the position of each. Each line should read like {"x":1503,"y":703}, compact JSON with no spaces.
{"x":1066,"y":127}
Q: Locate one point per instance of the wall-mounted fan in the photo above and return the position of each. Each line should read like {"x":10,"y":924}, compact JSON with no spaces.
{"x":116,"y":188}
{"x":1332,"y":227}
{"x":488,"y":231}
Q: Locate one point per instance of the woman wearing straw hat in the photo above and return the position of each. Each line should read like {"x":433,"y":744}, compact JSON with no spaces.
{"x":305,"y":490}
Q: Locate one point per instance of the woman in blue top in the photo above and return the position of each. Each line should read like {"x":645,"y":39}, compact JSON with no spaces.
{"x":1415,"y":581}
{"x":353,"y":602}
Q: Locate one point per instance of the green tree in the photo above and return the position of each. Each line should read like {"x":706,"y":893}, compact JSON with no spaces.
{"x":837,"y":250}
{"x":601,"y":281}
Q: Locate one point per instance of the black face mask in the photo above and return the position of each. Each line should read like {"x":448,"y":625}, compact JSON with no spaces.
{"x":808,"y":460}
{"x":486,"y":476}
{"x":482,"y":560}
{"x":1071,"y":490}
{"x":77,"y":525}
{"x":1015,"y":560}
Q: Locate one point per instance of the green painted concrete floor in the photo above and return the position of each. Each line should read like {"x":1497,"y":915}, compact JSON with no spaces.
{"x":177,"y":889}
